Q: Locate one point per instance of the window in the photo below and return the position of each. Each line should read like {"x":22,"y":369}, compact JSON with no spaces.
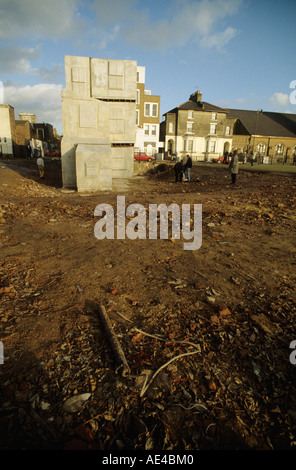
{"x":171,"y":127}
{"x":146,"y":129}
{"x":40,"y":134}
{"x":261,"y":147}
{"x":190,"y":145}
{"x":153,"y":130}
{"x":137,"y":117}
{"x":190,"y":127}
{"x":212,"y":146}
{"x":190,"y":114}
{"x":138,"y":97}
{"x":151,"y":109}
{"x":279,"y":149}
{"x":213,"y":129}
{"x":214,"y":116}
{"x":227,"y":130}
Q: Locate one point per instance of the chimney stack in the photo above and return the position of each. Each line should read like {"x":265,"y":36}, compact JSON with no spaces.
{"x":196,"y":96}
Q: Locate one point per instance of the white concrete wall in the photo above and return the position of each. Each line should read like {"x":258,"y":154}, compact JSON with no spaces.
{"x":5,"y":130}
{"x":99,"y":109}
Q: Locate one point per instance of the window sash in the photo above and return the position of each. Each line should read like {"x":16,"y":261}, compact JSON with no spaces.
{"x":189,"y":126}
{"x":212,"y":147}
{"x":213,"y":129}
{"x":151,"y":110}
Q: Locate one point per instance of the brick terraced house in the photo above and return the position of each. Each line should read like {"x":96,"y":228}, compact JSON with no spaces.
{"x":197,"y":128}
{"x":206,"y":132}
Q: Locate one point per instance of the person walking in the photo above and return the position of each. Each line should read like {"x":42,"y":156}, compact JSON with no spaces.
{"x":188,"y":166}
{"x":40,"y":164}
{"x":233,"y":167}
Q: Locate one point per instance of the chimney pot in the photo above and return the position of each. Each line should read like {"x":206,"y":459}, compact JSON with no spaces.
{"x":197,"y":96}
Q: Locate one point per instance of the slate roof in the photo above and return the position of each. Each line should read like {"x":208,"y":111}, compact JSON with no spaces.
{"x":191,"y":105}
{"x":268,"y":123}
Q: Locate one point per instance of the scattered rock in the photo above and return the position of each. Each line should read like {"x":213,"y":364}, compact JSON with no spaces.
{"x":75,"y":403}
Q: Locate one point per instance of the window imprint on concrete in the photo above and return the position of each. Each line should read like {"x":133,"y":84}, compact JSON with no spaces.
{"x":78,"y":75}
{"x":90,"y":169}
{"x":116,"y":120}
{"x":88,"y":115}
{"x":116,"y":71}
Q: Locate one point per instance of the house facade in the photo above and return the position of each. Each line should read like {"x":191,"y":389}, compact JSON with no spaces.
{"x":18,"y":135}
{"x":270,"y":136}
{"x":197,"y":128}
{"x":147,"y":117}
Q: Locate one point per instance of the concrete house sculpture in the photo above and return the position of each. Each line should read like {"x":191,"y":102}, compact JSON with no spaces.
{"x":99,"y":109}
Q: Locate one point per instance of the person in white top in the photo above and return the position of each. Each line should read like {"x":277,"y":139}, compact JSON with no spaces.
{"x":40,"y":164}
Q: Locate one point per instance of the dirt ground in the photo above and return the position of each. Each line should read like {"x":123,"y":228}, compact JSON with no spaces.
{"x":213,"y":325}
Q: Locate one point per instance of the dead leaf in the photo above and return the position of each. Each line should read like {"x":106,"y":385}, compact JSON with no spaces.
{"x":138,"y":337}
{"x":224,"y":312}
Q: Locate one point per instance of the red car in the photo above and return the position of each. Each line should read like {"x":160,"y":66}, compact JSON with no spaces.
{"x":53,"y":154}
{"x":222,"y":160}
{"x":143,"y":157}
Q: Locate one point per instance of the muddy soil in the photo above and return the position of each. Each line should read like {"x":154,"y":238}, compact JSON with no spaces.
{"x":206,"y":333}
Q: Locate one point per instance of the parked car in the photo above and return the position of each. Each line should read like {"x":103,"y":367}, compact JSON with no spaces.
{"x":54,"y":153}
{"x":222,"y":160}
{"x":141,"y":156}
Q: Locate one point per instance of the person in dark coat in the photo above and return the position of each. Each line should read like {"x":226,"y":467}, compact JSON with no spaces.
{"x":187,"y":167}
{"x":233,"y":167}
{"x":179,"y":170}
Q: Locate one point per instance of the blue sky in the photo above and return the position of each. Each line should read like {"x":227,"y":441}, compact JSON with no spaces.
{"x":239,"y":53}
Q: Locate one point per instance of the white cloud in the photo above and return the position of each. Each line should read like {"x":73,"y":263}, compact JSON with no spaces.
{"x":183,"y":21}
{"x":113,"y":11}
{"x":51,"y":74}
{"x":39,"y":19}
{"x":43,"y":99}
{"x":280,"y":99}
{"x":219,"y":40}
{"x":191,"y":21}
{"x":17,"y":59}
